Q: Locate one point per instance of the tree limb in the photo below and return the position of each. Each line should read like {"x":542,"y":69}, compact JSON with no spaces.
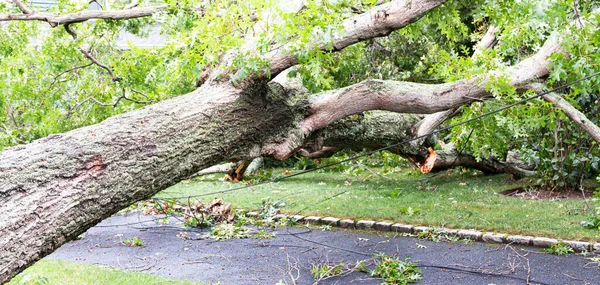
{"x":22,"y":7}
{"x":378,"y":22}
{"x":433,"y":121}
{"x":89,"y":55}
{"x":409,"y":97}
{"x":575,"y":115}
{"x":487,"y":41}
{"x":57,"y":19}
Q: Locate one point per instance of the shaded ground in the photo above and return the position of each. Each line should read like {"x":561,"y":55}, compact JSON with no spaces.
{"x":294,"y":250}
{"x":548,"y":193}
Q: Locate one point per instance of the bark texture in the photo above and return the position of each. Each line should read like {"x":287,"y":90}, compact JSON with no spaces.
{"x":55,"y":188}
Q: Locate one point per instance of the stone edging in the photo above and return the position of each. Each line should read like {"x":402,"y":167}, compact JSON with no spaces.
{"x":488,"y":237}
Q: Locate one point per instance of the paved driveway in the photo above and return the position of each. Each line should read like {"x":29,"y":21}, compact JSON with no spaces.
{"x":295,"y":250}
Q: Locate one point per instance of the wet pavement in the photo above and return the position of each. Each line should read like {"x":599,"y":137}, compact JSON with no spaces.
{"x":290,"y":255}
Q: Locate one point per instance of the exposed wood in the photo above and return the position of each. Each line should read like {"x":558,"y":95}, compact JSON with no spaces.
{"x":219,"y":168}
{"x":237,"y":173}
{"x":326,"y":151}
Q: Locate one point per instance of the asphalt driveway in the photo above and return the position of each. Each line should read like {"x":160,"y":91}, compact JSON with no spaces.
{"x":293,"y":251}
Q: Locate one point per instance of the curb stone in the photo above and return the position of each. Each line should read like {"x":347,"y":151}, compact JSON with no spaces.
{"x":330,"y":221}
{"x":383,"y":226}
{"x":347,"y":224}
{"x":596,"y":248}
{"x":521,"y":240}
{"x":543,"y":242}
{"x":364,"y":225}
{"x":420,"y":229}
{"x":402,"y":228}
{"x":488,"y":237}
{"x":494,"y":238}
{"x":313,"y":220}
{"x":578,"y":246}
{"x":448,"y":231}
{"x":470,"y":234}
{"x":298,"y":218}
{"x":278,"y":217}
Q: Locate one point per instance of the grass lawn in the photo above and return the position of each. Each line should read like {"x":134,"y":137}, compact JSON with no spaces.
{"x":452,"y":199}
{"x":49,"y":271}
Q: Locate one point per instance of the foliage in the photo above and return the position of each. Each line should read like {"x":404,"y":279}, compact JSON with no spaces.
{"x":320,"y":271}
{"x":594,"y":219}
{"x":262,"y":234}
{"x":544,"y":137}
{"x":228,"y":231}
{"x":395,"y":271}
{"x":592,"y":223}
{"x":410,"y":211}
{"x":133,"y":242}
{"x":50,"y":87}
{"x":559,"y":248}
{"x":437,"y":235}
{"x":270,"y":209}
{"x":325,"y":228}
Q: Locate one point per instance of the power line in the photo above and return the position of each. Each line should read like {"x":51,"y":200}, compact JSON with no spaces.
{"x":280,"y":178}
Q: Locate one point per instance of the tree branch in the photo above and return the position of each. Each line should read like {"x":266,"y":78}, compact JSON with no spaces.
{"x":433,"y":121}
{"x":487,"y":41}
{"x":378,"y":22}
{"x":89,"y":55}
{"x":57,"y":19}
{"x":575,"y":115}
{"x":22,"y":7}
{"x":409,"y":97}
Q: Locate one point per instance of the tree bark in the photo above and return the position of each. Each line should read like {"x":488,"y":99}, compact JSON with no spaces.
{"x":55,"y":188}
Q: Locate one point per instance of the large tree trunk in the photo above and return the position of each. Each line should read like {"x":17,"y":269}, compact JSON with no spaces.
{"x":56,"y":188}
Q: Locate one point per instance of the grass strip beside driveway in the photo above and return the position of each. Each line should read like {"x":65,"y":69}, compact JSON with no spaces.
{"x":453,"y":199}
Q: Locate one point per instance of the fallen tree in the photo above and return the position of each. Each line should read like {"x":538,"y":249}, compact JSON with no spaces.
{"x":55,"y":188}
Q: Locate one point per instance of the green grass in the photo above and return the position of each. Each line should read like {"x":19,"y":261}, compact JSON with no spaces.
{"x":452,"y":199}
{"x":49,"y":271}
